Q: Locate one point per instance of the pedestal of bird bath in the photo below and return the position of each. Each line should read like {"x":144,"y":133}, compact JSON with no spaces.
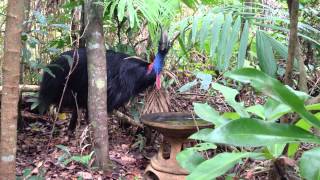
{"x":175,"y":128}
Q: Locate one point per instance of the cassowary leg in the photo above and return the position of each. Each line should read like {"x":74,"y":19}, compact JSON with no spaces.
{"x":73,"y":122}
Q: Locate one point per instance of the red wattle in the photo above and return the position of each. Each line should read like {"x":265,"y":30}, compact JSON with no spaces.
{"x":150,"y":66}
{"x":158,"y":82}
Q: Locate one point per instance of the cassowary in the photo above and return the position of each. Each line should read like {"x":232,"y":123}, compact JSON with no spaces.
{"x":127,"y":76}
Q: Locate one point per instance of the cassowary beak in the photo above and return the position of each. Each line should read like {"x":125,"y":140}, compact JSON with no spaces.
{"x":158,"y":81}
{"x":164,"y":42}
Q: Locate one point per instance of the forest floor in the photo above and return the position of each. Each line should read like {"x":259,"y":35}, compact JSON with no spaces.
{"x":60,"y":157}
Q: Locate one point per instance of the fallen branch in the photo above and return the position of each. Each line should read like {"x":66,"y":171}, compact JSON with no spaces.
{"x":26,"y":88}
{"x":128,"y":119}
{"x":32,"y":116}
{"x":314,"y":100}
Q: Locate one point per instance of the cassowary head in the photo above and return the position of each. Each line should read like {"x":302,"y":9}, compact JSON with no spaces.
{"x":158,"y":62}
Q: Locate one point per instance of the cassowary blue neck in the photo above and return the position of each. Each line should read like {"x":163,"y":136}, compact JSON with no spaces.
{"x":158,"y":63}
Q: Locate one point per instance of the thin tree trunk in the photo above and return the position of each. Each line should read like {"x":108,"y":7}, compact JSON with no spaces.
{"x":303,"y":83}
{"x":82,"y":41}
{"x":97,"y":81}
{"x":76,"y":25}
{"x":293,"y":6}
{"x":10,"y":94}
{"x":26,"y":28}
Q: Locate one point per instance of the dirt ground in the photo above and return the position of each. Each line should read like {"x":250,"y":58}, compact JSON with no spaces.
{"x":41,"y":157}
{"x":60,"y":157}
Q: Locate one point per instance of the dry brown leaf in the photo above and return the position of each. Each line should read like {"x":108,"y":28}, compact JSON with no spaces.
{"x":85,"y":175}
{"x":156,"y":101}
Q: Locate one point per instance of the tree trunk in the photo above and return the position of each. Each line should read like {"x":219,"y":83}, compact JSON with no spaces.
{"x":77,"y":27}
{"x":82,"y":41}
{"x":97,"y":81}
{"x":293,"y":6}
{"x":303,"y":82}
{"x":10,"y":94}
{"x":26,"y":28}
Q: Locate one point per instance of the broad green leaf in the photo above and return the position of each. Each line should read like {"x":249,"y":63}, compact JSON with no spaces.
{"x":309,"y":164}
{"x":137,"y":19}
{"x":302,"y":95}
{"x":132,"y":13}
{"x":257,"y":110}
{"x":195,"y":27}
{"x":230,"y":95}
{"x":205,"y":29}
{"x":188,"y":86}
{"x":217,"y":23}
{"x":84,"y":160}
{"x":303,"y":124}
{"x":189,"y":159}
{"x":243,"y":45}
{"x":292,"y":149}
{"x":301,"y":26}
{"x":274,"y":89}
{"x":267,"y":62}
{"x":231,"y":42}
{"x":149,"y":9}
{"x":183,"y":47}
{"x":201,"y":134}
{"x":274,"y":110}
{"x":276,"y":149}
{"x":278,"y":47}
{"x":313,"y":107}
{"x":205,"y":80}
{"x":253,"y":133}
{"x":121,"y":9}
{"x":285,"y":30}
{"x":207,"y":113}
{"x":218,"y":165}
{"x":26,"y":172}
{"x":183,"y":25}
{"x":231,"y":115}
{"x":113,"y":7}
{"x":223,"y":39}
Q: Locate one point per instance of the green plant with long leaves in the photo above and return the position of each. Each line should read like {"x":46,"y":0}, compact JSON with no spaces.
{"x":132,"y":15}
{"x":227,"y":34}
{"x":254,"y":126}
{"x":47,"y":37}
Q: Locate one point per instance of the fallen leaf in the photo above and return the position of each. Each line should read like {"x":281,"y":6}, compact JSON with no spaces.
{"x":85,"y":175}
